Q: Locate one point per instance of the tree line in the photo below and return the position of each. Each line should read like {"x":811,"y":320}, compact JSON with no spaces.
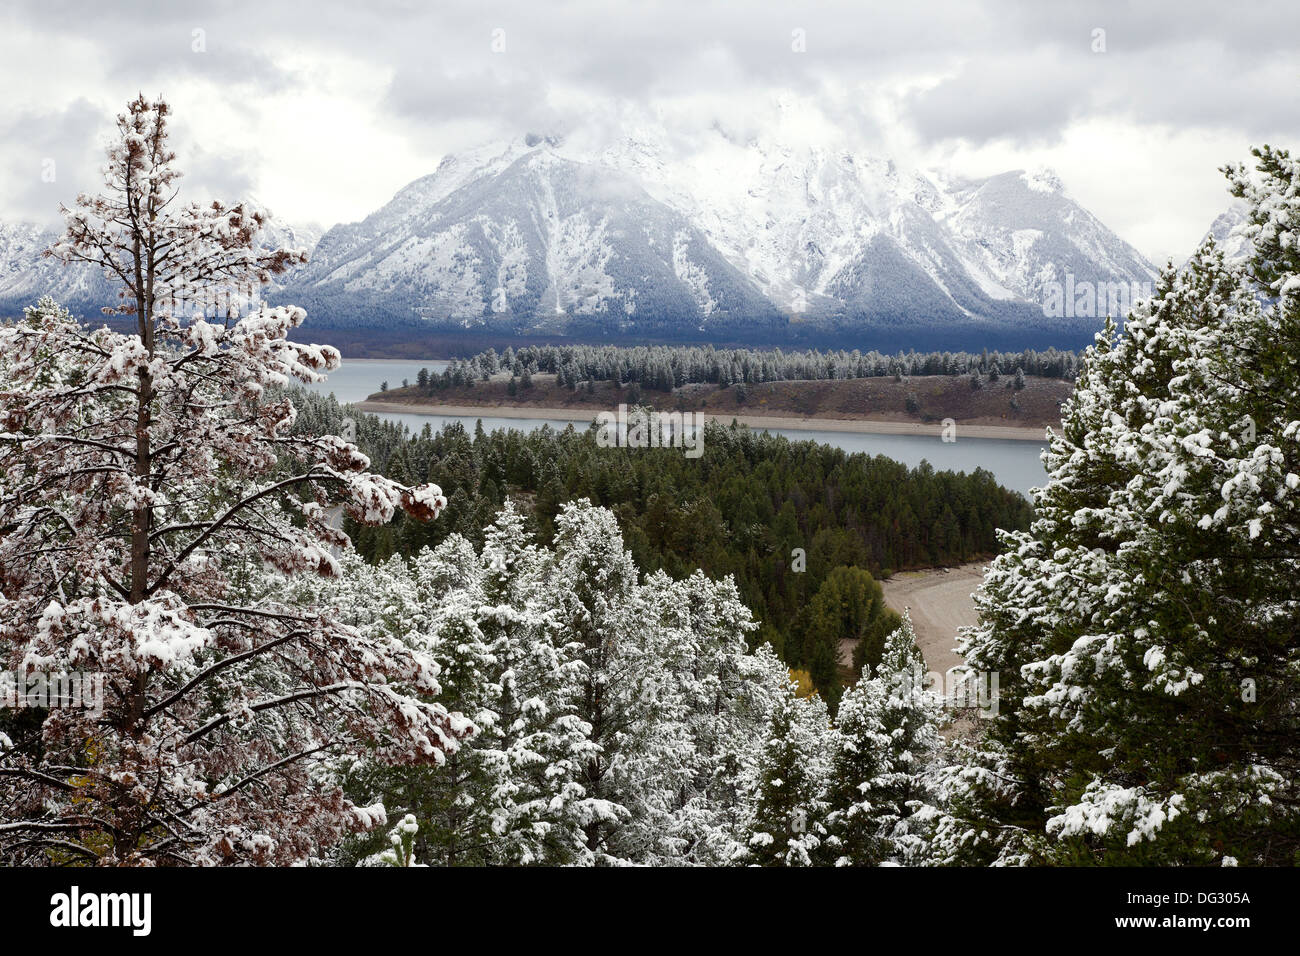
{"x":663,"y":368}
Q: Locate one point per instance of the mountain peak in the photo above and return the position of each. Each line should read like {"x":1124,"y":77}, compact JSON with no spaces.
{"x":1043,"y":180}
{"x":1227,"y":230}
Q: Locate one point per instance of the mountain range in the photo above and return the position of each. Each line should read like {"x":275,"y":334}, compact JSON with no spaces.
{"x":25,"y":275}
{"x":739,"y":239}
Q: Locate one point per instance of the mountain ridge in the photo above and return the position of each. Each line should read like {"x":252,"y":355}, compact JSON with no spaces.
{"x":741,"y":239}
{"x":537,"y":235}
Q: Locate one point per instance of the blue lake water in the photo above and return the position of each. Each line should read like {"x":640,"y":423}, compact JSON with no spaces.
{"x":1015,"y":464}
{"x":359,"y":378}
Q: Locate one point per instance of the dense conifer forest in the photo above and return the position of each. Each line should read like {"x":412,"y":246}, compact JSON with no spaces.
{"x":755,"y":506}
{"x":663,"y":368}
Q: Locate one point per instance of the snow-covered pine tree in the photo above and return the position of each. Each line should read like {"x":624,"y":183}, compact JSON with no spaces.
{"x":885,"y":747}
{"x":788,"y":818}
{"x":430,"y":604}
{"x":686,"y":705}
{"x":154,"y":501}
{"x":536,"y":744}
{"x":509,"y":795}
{"x":595,"y":600}
{"x":711,"y":701}
{"x":912,"y":717}
{"x":859,"y":756}
{"x":401,"y":848}
{"x":1147,"y":627}
{"x":733,"y":762}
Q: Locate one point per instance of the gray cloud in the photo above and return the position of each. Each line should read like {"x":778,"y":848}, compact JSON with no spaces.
{"x":1018,"y":69}
{"x":1205,"y":65}
{"x":228,"y":175}
{"x":65,"y":144}
{"x":426,"y":94}
{"x":1032,"y":97}
{"x":1015,"y":75}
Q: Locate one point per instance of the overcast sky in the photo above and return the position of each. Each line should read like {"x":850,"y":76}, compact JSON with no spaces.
{"x":323,"y":110}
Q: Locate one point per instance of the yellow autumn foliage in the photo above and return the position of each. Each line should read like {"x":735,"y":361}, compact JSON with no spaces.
{"x":803,"y":683}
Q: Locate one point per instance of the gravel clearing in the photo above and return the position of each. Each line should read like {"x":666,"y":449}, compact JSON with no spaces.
{"x":941,"y":602}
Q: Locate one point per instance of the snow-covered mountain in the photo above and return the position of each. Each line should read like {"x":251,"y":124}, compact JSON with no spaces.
{"x":1225,"y":232}
{"x":731,"y":236}
{"x":530,"y":238}
{"x":736,"y":235}
{"x":817,"y":228}
{"x":25,"y":275}
{"x":1026,"y":233}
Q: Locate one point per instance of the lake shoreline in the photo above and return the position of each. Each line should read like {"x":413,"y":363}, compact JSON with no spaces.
{"x":851,"y":426}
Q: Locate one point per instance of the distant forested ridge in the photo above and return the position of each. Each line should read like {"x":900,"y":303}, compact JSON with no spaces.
{"x":742,"y":509}
{"x":664,"y":368}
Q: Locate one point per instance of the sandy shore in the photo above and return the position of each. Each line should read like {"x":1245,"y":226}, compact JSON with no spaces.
{"x":940,"y":601}
{"x":858,"y":426}
{"x":480,"y":411}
